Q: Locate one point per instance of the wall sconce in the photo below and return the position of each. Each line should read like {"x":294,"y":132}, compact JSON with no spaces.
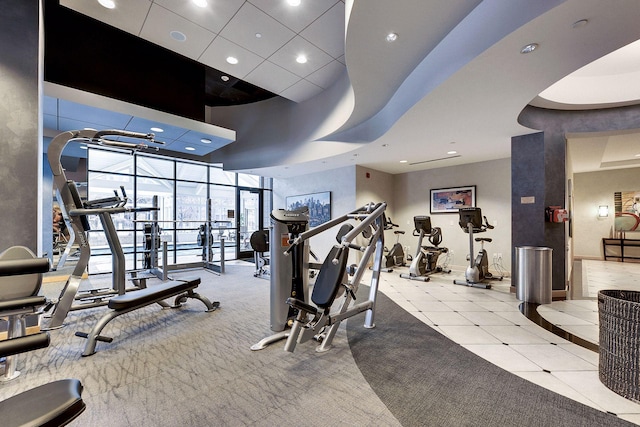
{"x":603,"y":211}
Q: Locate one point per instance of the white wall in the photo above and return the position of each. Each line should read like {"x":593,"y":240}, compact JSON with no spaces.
{"x":592,"y":189}
{"x":342,"y":184}
{"x":493,"y":195}
{"x":373,"y":186}
{"x":407,"y":195}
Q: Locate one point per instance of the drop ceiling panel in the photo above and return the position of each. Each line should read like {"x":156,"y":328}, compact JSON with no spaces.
{"x":248,"y":22}
{"x":213,"y":17}
{"x":331,"y":42}
{"x":159,"y":24}
{"x":65,"y":124}
{"x":169,"y":132}
{"x":61,"y":115}
{"x":272,"y":77}
{"x":301,"y":91}
{"x":128,"y":16}
{"x":286,"y":57}
{"x":295,"y":17}
{"x":50,"y":121}
{"x":97,"y":117}
{"x":193,"y":137}
{"x":186,"y":147}
{"x":217,"y":52}
{"x":327,"y":75}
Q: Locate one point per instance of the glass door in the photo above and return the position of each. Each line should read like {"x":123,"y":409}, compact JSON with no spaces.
{"x":249,"y":219}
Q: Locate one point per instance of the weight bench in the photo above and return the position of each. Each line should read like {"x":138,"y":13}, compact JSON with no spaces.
{"x":121,"y":304}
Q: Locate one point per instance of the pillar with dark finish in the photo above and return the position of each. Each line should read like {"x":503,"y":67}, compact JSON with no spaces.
{"x":537,"y":181}
{"x":20,"y":144}
{"x":538,"y":166}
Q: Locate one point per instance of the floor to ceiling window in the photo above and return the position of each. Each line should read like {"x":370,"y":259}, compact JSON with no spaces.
{"x":187,"y":195}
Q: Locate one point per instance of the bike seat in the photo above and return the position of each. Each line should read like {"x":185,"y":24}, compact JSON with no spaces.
{"x":483,"y":239}
{"x":398,"y":232}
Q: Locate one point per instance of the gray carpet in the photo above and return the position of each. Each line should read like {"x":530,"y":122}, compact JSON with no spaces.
{"x":187,"y":367}
{"x":425,"y":379}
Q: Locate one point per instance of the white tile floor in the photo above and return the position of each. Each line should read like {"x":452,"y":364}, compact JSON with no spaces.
{"x":489,"y":323}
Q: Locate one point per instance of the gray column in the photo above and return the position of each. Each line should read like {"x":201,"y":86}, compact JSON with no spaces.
{"x":537,"y":181}
{"x":538,"y":169}
{"x":20,"y":142}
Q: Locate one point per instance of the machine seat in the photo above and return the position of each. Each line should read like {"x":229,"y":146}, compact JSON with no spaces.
{"x":53,"y":404}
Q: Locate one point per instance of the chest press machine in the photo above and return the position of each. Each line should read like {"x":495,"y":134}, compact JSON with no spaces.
{"x":321,"y":320}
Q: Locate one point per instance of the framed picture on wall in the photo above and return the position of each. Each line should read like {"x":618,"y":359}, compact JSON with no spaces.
{"x":449,"y":200}
{"x":319,"y":206}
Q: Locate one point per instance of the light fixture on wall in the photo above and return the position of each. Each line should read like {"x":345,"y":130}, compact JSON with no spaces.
{"x":603,"y":211}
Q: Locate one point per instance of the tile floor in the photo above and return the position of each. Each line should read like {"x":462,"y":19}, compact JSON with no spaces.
{"x":488,"y":322}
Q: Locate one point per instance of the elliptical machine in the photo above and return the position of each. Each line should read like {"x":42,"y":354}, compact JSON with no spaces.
{"x":395,"y":256}
{"x":477,"y":274}
{"x":425,"y":262}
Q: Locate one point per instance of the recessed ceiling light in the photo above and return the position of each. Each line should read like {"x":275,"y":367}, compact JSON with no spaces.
{"x":258,"y":35}
{"x":293,"y":2}
{"x":232,"y":60}
{"x":224,"y":78}
{"x":154,"y":129}
{"x":403,"y":161}
{"x":178,"y":36}
{"x":205,"y":141}
{"x":301,"y":59}
{"x":200,"y":3}
{"x":529,"y":48}
{"x":452,"y":152}
{"x":391,"y":37}
{"x":189,"y":148}
{"x":109,"y":4}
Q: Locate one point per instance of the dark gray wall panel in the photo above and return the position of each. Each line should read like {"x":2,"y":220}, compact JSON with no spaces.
{"x":19,"y":152}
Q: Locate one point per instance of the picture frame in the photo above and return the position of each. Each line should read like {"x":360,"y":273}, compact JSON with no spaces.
{"x":450,"y":200}
{"x":319,"y":205}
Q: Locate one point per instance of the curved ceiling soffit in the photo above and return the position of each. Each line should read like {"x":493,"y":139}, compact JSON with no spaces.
{"x":321,"y":127}
{"x":261,"y":125}
{"x":459,"y":47}
{"x":377,"y":67}
{"x":606,"y":120}
{"x":277,"y":131}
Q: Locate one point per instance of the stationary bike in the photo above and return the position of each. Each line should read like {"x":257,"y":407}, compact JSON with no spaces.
{"x":477,"y":274}
{"x":395,"y":256}
{"x":425,"y":262}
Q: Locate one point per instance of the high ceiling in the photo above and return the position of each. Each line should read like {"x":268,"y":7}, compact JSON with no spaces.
{"x":453,"y":80}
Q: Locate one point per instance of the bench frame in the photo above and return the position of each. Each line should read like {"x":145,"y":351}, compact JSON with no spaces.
{"x":122,"y":304}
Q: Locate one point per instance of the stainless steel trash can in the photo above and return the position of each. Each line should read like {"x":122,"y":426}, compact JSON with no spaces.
{"x":533,"y":274}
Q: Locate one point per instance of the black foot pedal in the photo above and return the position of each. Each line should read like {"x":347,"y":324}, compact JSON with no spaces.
{"x":99,"y":337}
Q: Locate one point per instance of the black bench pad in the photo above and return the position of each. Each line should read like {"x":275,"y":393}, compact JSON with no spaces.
{"x":152,"y":294}
{"x":52,"y":404}
{"x":22,"y":303}
{"x":12,"y":346}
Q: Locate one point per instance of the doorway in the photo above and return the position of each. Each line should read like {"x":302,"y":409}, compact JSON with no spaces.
{"x":250,"y":208}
